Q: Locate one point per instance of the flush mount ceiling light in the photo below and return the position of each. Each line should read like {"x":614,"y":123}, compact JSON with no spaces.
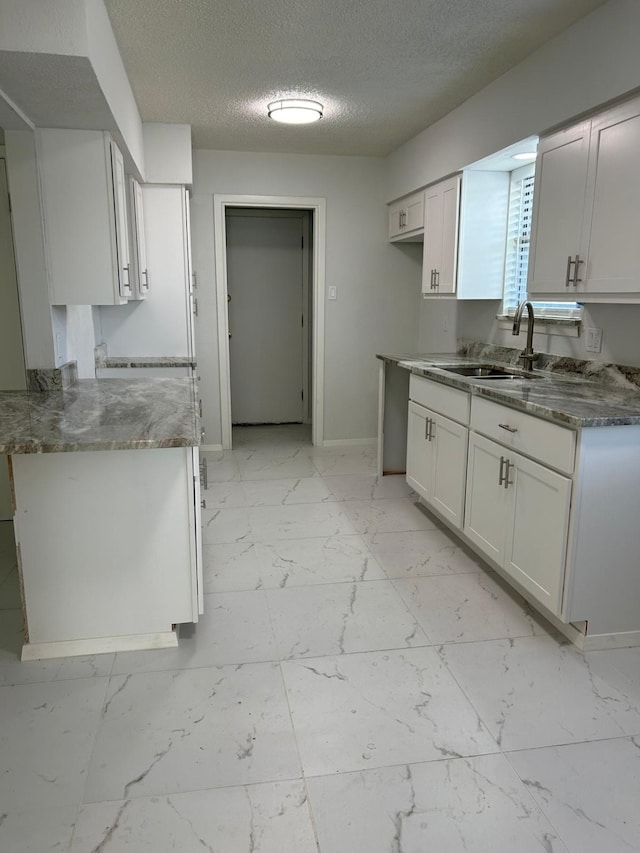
{"x":529,"y":155}
{"x":295,"y":111}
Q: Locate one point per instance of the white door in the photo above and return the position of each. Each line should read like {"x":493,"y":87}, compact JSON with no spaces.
{"x":487,"y":501}
{"x":419,"y":450}
{"x":264,"y":281}
{"x":12,"y":372}
{"x":449,"y":469}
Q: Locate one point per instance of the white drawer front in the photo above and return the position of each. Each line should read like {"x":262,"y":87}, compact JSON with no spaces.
{"x":450,"y":402}
{"x":550,"y":443}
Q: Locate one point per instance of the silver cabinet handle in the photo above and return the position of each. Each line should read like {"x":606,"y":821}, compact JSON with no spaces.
{"x":146,"y":278}
{"x":508,"y":428}
{"x":503,"y":476}
{"x":567,"y":278}
{"x":576,"y":265}
{"x":203,"y":503}
{"x":437,"y":281}
{"x":195,"y":307}
{"x":426,"y":428}
{"x":432,"y":426}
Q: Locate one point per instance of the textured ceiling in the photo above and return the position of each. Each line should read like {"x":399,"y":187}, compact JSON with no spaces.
{"x":384,"y":70}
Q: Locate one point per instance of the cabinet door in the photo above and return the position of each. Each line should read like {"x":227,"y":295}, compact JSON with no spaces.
{"x":537,"y":531}
{"x":487,"y":501}
{"x":441,"y":205}
{"x":614,"y":249}
{"x":557,"y":232}
{"x":420,"y":450}
{"x":122,"y":225}
{"x":139,"y":246}
{"x":396,"y":218}
{"x":449,"y":469}
{"x":432,"y":251}
{"x":197,"y":532}
{"x":414,"y":212}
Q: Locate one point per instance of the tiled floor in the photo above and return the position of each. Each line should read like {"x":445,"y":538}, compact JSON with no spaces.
{"x":359,"y":684}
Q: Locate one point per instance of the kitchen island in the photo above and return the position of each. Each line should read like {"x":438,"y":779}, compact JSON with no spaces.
{"x":107,"y":513}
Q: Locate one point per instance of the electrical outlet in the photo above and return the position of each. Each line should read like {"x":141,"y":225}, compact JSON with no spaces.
{"x":593,"y":340}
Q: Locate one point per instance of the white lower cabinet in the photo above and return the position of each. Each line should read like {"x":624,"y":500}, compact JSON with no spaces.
{"x":436,"y":461}
{"x":517,"y":513}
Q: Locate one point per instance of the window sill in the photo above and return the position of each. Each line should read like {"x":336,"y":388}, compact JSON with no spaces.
{"x":568,"y":327}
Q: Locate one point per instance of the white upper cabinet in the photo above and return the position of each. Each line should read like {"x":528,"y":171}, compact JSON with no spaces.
{"x":587,"y":209}
{"x":406,"y":218}
{"x":85,"y":217}
{"x":441,"y":206}
{"x":139,"y":266}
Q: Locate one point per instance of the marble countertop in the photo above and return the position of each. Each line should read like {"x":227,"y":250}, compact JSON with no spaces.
{"x":101,"y":414}
{"x":564,"y":398}
{"x":147,"y":361}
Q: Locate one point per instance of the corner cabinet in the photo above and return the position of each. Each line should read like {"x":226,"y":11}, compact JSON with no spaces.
{"x":584,"y":243}
{"x":437,"y":446}
{"x":406,"y":219}
{"x":441,"y":207}
{"x":84,"y":200}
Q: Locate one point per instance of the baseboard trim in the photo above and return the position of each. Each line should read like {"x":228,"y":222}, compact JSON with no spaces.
{"x":99,"y":645}
{"x":600,"y":642}
{"x":337,"y":442}
{"x":210,"y":448}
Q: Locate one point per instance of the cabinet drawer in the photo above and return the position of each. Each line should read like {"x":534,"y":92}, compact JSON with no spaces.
{"x":550,"y":443}
{"x":441,"y":398}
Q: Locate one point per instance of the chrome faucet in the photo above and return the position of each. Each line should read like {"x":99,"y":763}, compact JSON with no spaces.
{"x":528,"y":356}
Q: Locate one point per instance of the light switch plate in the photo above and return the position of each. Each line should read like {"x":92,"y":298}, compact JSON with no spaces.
{"x":333,"y":292}
{"x":593,"y":340}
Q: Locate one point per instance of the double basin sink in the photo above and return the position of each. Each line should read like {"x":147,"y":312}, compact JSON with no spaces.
{"x":480,"y":371}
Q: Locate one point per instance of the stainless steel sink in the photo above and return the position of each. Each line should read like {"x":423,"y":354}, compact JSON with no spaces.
{"x":480,"y":371}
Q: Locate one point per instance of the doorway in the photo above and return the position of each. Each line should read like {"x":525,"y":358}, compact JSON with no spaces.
{"x":268,"y":314}
{"x":228,"y":209}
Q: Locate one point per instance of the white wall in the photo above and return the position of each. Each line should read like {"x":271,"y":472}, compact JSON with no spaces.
{"x":595,"y":60}
{"x":377,"y":283}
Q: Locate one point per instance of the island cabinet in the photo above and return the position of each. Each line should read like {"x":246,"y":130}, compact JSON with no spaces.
{"x":437,"y":445}
{"x":84,"y":201}
{"x":584,"y":244}
{"x":517,"y":509}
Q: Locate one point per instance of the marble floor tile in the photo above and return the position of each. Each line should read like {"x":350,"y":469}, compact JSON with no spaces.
{"x":304,"y":490}
{"x":219,"y":494}
{"x":235,"y":628}
{"x":467,"y":607}
{"x":474,"y":805}
{"x":379,"y":708}
{"x":222,"y":466}
{"x":37,"y":830}
{"x":266,"y":818}
{"x":192,"y":729}
{"x":266,"y":466}
{"x":537,"y":691}
{"x":14,"y":671}
{"x":340,"y":618}
{"x":267,"y":523}
{"x":369,"y":488}
{"x":589,"y":791}
{"x":385,"y":516}
{"x":421,"y":553}
{"x":356,"y":459}
{"x":46,"y":736}
{"x":295,"y":562}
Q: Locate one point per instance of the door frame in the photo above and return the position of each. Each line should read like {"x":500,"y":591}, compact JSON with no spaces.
{"x":318,"y":207}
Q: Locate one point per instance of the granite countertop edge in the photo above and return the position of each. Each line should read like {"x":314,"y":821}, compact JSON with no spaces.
{"x":101,"y":414}
{"x":574,"y":401}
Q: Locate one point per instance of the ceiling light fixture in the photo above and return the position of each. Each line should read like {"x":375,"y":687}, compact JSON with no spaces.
{"x":528,"y":155}
{"x":295,"y":111}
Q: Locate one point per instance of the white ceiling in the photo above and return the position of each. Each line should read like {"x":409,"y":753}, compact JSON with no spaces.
{"x":384,"y":70}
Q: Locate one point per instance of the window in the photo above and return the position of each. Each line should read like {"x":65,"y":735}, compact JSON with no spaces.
{"x":517,"y":254}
